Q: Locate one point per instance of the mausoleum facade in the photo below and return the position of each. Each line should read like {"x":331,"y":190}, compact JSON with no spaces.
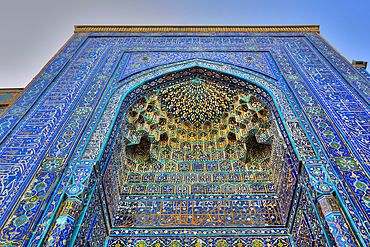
{"x":189,"y":136}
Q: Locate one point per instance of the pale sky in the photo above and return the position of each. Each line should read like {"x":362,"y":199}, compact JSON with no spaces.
{"x":33,"y":31}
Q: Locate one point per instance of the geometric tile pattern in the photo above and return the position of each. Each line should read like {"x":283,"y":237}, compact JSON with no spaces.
{"x":206,"y":212}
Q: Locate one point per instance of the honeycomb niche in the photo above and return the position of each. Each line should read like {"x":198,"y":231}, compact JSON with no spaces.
{"x":204,"y":146}
{"x":200,"y":137}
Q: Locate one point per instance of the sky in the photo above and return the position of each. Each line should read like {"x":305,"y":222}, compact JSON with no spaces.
{"x":33,"y":31}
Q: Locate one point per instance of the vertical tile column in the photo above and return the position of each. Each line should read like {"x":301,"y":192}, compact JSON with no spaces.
{"x":335,"y":222}
{"x":65,"y":223}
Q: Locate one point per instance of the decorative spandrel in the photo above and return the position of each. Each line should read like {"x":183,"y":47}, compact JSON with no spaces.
{"x":199,"y":136}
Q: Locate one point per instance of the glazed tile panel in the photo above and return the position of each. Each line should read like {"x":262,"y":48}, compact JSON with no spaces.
{"x":203,"y":212}
{"x":139,"y":61}
{"x":25,"y":147}
{"x":54,"y":161}
{"x":365,"y":74}
{"x":281,"y":241}
{"x":350,"y":113}
{"x":9,"y":119}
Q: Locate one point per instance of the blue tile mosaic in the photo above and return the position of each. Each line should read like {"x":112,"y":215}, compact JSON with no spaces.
{"x":188,"y":139}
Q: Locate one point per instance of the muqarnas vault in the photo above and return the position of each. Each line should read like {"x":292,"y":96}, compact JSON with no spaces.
{"x":189,"y":136}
